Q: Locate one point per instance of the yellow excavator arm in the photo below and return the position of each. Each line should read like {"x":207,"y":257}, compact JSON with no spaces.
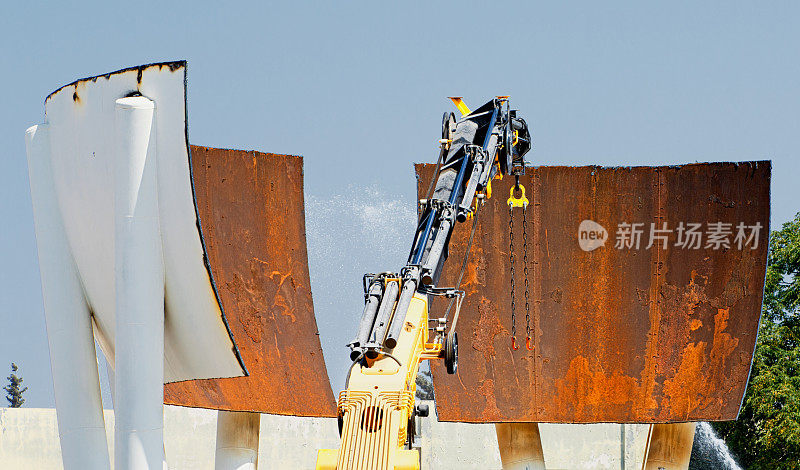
{"x":377,"y":410}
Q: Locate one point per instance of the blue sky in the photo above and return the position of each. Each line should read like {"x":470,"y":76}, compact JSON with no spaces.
{"x":358,"y":89}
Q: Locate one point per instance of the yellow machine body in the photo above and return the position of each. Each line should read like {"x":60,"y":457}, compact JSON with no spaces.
{"x":379,"y":401}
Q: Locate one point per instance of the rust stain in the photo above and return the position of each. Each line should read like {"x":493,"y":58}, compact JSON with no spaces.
{"x":250,"y":206}
{"x":620,"y":335}
{"x":486,"y":390}
{"x":172,"y":66}
{"x":588,"y":388}
{"x":716,"y":199}
{"x":487,"y":329}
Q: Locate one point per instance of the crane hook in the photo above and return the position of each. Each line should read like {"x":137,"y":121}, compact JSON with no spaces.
{"x":514,"y":343}
{"x":528,"y":344}
{"x":521,"y":201}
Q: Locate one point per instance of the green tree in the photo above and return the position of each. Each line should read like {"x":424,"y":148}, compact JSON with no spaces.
{"x":767,"y":433}
{"x":13,"y":389}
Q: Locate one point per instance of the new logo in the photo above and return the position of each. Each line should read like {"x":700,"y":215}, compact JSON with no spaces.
{"x":591,"y":235}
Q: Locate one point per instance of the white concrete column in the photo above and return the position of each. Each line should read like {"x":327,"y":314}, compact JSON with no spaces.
{"x":237,"y":440}
{"x":520,"y":446}
{"x":76,"y":383}
{"x":670,"y":446}
{"x":139,"y":284}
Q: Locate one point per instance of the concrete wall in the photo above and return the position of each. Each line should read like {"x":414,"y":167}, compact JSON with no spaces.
{"x":29,"y":439}
{"x":594,"y":446}
{"x":458,"y":445}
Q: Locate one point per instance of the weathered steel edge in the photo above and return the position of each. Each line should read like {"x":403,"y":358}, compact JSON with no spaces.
{"x":763,"y":284}
{"x":768,"y":163}
{"x":199,"y":225}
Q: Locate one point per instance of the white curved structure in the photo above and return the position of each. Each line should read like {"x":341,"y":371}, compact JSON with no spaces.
{"x":73,"y":362}
{"x":121,"y":252}
{"x":139,"y":282}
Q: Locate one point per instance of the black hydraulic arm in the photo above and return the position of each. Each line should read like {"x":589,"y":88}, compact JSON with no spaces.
{"x":486,"y":141}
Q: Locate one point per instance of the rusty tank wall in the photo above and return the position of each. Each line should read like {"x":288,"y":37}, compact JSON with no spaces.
{"x":252,"y":217}
{"x":619,"y":334}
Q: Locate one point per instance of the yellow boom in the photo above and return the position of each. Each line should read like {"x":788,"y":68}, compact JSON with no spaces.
{"x":376,"y":408}
{"x":377,"y":411}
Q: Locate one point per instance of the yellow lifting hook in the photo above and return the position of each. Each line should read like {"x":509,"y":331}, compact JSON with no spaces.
{"x":521,"y":201}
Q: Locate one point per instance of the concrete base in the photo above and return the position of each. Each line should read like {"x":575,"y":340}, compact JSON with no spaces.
{"x":593,"y":446}
{"x":520,"y":446}
{"x":670,"y":446}
{"x":29,"y":439}
{"x":237,"y":440}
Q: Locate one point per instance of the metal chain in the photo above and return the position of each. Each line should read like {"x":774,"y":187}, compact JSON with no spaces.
{"x":528,"y":338}
{"x":525,"y":264}
{"x":511,"y":261}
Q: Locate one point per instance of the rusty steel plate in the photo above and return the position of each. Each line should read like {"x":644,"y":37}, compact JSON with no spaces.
{"x":619,"y":333}
{"x":252,"y":219}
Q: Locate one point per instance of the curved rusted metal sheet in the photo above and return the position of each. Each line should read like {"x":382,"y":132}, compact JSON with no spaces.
{"x":251,"y":213}
{"x":619,"y":334}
